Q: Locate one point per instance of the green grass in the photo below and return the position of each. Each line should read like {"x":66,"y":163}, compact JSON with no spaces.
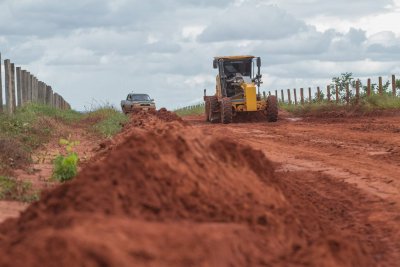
{"x":108,"y":120}
{"x":26,"y":130}
{"x":190,"y":110}
{"x":32,"y":126}
{"x":384,"y":102}
{"x":365,"y":105}
{"x":12,"y":189}
{"x":29,"y":126}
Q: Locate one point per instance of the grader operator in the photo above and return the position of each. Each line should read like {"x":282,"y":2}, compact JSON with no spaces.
{"x":236,"y":90}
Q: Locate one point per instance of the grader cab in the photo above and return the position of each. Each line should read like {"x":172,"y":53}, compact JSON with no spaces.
{"x":238,"y":90}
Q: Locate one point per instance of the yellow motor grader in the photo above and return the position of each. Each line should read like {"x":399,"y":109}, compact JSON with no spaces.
{"x":236,"y":90}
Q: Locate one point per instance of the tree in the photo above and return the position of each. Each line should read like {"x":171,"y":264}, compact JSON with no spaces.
{"x":341,"y":82}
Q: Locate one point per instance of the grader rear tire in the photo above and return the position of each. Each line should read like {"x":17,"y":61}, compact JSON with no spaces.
{"x":207,"y":109}
{"x":272,"y":109}
{"x":226,"y":110}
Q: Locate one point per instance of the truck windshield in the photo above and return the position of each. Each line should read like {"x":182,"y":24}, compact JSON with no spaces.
{"x":140,"y":98}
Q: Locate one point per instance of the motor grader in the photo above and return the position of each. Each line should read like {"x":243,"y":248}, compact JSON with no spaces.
{"x":236,"y":91}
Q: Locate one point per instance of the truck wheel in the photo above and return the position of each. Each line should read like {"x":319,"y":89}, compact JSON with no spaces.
{"x":272,"y":108}
{"x":226,"y":110}
{"x":213,"y":110}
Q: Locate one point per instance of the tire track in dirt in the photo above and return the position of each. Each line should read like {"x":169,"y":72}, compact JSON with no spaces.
{"x":349,"y":169}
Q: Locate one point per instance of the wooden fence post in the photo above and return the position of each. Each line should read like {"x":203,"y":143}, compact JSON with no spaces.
{"x":19,"y":87}
{"x":357,"y":91}
{"x":337,"y":94}
{"x":35,"y":92}
{"x":380,"y":86}
{"x":369,"y":87}
{"x":265,"y":96}
{"x":269,"y":93}
{"x":289,"y":97}
{"x":276,"y":95}
{"x":45,"y":94}
{"x":282,"y":96}
{"x":32,"y":81}
{"x":1,"y":89}
{"x":302,"y":96}
{"x":8,"y":86}
{"x":393,"y":85}
{"x":26,"y":85}
{"x":295,"y":96}
{"x":22,"y":79}
{"x":29,"y":84}
{"x":319,"y":94}
{"x":54,"y":100}
{"x":347,"y":93}
{"x":14,"y":98}
{"x":42,"y":93}
{"x":328,"y":91}
{"x":309,"y":95}
{"x":57,"y":101}
{"x":49,"y":93}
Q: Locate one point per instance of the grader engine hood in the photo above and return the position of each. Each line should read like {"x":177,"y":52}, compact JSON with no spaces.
{"x":250,"y":96}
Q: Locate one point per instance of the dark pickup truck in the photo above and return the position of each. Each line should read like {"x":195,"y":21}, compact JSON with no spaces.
{"x":135,"y":102}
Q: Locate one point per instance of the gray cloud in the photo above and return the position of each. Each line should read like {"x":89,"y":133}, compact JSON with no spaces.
{"x":248,"y":23}
{"x":338,"y":8}
{"x":103,"y":49}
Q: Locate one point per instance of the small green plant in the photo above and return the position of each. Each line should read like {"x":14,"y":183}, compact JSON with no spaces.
{"x":66,"y":167}
{"x":13,"y":189}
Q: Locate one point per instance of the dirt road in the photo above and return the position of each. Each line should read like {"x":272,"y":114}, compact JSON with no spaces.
{"x":169,"y":193}
{"x":348,"y":168}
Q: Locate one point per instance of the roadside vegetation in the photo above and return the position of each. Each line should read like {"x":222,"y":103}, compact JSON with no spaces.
{"x":364,"y":105}
{"x":34,"y":125}
{"x":65,"y":166}
{"x":26,"y":130}
{"x":108,"y":120}
{"x":190,"y":110}
{"x":15,"y":190}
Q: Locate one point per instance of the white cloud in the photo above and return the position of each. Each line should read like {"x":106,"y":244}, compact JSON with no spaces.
{"x":102,"y":50}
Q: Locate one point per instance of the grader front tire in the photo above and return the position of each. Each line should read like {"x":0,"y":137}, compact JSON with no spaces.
{"x":226,"y":110}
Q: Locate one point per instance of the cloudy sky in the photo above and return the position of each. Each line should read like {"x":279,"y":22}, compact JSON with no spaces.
{"x":95,"y":51}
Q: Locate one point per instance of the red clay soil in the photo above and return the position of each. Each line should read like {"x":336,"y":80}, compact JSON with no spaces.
{"x":165,"y":194}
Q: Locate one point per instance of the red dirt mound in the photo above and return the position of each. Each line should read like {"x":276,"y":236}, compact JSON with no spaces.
{"x":162,"y":114}
{"x":168,"y":195}
{"x":168,"y":116}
